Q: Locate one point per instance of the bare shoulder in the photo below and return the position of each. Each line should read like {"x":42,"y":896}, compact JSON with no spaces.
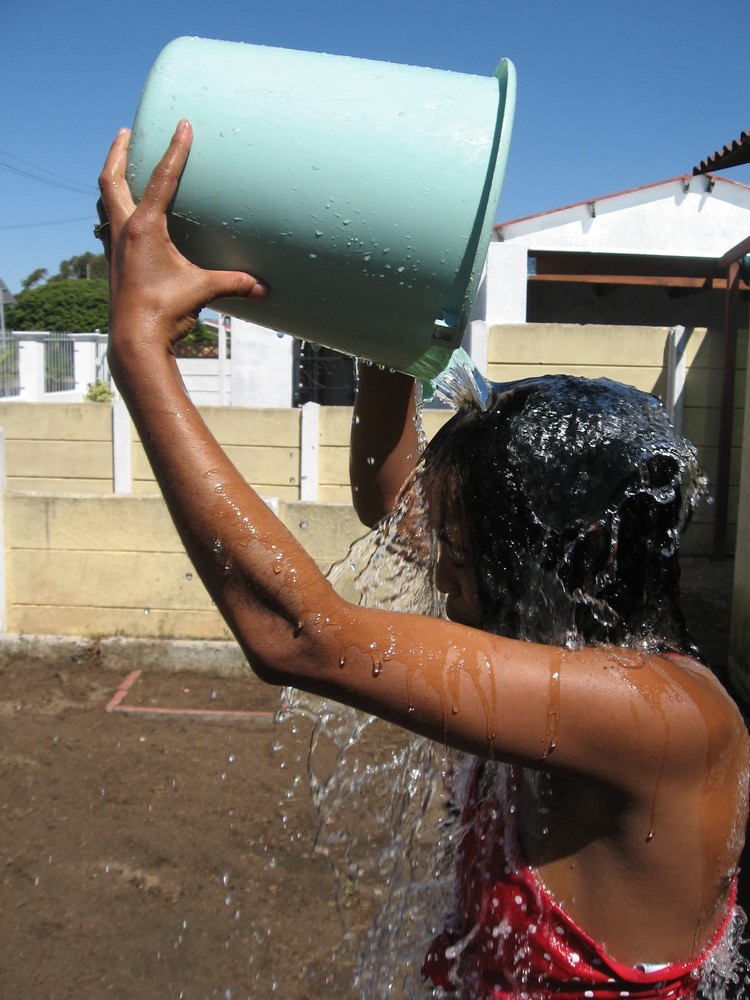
{"x":658,"y":717}
{"x":704,"y":695}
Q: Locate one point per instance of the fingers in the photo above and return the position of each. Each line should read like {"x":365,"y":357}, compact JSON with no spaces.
{"x":116,"y":200}
{"x":152,"y":255}
{"x":165,"y":177}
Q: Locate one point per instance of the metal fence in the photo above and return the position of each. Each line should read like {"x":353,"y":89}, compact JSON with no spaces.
{"x":59,"y":363}
{"x":53,"y":367}
{"x":101,"y":369}
{"x":322,"y":376}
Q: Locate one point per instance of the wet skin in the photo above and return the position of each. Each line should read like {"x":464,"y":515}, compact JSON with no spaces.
{"x":565,"y":823}
{"x":644,"y":791}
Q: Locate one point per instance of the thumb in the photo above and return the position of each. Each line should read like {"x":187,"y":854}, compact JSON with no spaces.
{"x":235,"y":284}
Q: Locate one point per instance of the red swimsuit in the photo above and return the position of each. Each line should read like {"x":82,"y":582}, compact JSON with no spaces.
{"x":516,"y":941}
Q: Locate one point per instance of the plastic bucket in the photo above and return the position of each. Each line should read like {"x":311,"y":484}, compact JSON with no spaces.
{"x":363,"y":193}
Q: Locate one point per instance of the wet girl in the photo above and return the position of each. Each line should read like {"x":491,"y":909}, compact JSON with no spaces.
{"x":605,"y":866}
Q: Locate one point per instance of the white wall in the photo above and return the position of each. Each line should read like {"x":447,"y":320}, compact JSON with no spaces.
{"x":501,"y":298}
{"x":685,"y":217}
{"x":261,"y":366}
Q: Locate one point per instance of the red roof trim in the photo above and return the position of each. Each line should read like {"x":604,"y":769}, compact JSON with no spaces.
{"x":617,"y":194}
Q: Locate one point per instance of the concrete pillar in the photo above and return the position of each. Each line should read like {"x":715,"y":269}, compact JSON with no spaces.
{"x":225,"y":323}
{"x":739,"y":642}
{"x":31,"y":365}
{"x":676,"y":375}
{"x":309,"y":454}
{"x":84,"y":360}
{"x":122,"y":462}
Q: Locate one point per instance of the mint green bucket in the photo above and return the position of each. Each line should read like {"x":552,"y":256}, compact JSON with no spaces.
{"x":363,"y":193}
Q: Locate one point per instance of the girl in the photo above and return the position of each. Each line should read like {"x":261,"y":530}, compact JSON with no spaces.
{"x":623,"y":884}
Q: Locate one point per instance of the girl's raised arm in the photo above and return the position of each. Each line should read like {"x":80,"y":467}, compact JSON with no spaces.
{"x":384,"y":445}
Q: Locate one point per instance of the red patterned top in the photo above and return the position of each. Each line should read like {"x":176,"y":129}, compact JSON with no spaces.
{"x":514,"y":940}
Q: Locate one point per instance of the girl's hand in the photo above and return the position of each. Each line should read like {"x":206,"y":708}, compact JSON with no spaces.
{"x":155,"y":292}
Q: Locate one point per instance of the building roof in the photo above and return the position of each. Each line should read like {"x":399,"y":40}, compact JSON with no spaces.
{"x":685,"y":216}
{"x":735,"y":154}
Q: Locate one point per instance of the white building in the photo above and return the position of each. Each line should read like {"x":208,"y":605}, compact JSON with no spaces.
{"x":648,"y":256}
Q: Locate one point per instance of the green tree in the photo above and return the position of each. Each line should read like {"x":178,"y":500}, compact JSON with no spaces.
{"x":35,"y":278}
{"x":84,"y":266}
{"x":69,"y":306}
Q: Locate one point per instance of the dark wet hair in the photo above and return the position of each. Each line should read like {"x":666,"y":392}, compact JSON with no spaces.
{"x":574,"y":493}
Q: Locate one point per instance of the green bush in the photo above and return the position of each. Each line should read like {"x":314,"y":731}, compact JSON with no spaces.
{"x":99,"y":392}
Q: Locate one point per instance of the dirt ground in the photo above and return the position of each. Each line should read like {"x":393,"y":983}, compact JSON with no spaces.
{"x":156,"y":855}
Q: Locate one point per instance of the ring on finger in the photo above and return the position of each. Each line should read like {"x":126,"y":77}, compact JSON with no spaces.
{"x":99,"y":230}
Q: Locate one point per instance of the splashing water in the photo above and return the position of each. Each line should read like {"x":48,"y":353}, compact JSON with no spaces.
{"x":388,"y":802}
{"x":461,"y":384}
{"x":386,"y":818}
{"x":726,"y":975}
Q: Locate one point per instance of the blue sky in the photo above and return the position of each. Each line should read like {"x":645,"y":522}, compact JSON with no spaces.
{"x":610,"y":95}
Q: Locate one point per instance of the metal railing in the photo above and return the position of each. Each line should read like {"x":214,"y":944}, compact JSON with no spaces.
{"x":52,"y":367}
{"x":59,"y":363}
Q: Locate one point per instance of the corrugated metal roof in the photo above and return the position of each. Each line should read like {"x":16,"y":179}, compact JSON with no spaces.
{"x":733,"y":155}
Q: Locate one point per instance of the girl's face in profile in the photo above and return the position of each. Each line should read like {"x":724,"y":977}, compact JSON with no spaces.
{"x":455,"y":576}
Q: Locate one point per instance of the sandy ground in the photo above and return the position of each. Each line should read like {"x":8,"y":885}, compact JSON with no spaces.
{"x":154,"y":855}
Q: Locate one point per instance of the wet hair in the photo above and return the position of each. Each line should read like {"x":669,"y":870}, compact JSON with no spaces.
{"x":574,"y":494}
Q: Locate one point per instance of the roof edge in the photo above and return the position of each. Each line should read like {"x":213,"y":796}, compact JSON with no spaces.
{"x":683,"y":178}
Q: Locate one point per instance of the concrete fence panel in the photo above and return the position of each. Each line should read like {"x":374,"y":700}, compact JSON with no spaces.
{"x":263,"y":444}
{"x":58,"y":447}
{"x":114,"y":565}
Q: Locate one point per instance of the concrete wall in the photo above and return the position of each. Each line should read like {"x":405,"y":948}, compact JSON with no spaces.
{"x":114,"y":566}
{"x":67,"y":448}
{"x":263,"y":444}
{"x":81,"y":561}
{"x":59,"y":448}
